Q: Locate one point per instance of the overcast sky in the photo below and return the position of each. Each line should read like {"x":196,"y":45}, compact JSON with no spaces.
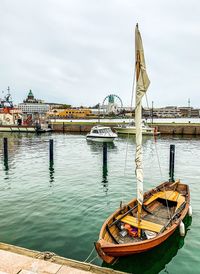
{"x":79,"y":51}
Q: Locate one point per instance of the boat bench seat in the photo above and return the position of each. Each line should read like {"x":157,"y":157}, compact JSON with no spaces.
{"x":143,"y":223}
{"x":169,"y":195}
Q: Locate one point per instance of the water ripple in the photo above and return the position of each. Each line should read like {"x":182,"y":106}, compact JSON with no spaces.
{"x":61,"y":207}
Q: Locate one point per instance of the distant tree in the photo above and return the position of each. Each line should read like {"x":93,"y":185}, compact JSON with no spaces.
{"x":64,"y":106}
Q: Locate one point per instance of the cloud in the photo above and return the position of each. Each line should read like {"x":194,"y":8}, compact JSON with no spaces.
{"x":79,"y":51}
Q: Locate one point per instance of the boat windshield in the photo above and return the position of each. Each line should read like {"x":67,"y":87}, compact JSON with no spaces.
{"x":105,"y":131}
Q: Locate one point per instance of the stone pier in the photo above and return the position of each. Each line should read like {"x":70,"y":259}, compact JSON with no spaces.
{"x":17,"y":260}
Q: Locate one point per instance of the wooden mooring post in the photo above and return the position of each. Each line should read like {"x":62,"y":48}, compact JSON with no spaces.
{"x":51,"y":151}
{"x":5,"y":152}
{"x":5,"y":148}
{"x":171,"y":163}
{"x":105,"y":152}
{"x":63,"y":127}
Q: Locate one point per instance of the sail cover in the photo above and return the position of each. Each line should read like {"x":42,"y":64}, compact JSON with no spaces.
{"x":142,"y":84}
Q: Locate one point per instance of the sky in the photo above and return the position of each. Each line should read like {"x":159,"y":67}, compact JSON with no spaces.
{"x":79,"y":51}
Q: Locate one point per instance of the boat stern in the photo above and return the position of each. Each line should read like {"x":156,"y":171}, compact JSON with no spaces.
{"x":102,"y":255}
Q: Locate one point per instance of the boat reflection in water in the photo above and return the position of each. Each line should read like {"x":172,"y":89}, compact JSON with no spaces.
{"x":99,"y":148}
{"x":155,"y":260}
{"x":131,"y":138}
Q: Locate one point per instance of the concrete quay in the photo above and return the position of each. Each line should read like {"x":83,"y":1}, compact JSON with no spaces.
{"x":179,"y":129}
{"x":77,"y":127}
{"x":163,"y":128}
{"x":17,"y":260}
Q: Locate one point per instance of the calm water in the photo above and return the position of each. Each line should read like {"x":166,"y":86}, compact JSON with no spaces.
{"x":61,"y":208}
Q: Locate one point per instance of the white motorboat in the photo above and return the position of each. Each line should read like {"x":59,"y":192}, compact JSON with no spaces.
{"x":101,"y":134}
{"x":131,"y":129}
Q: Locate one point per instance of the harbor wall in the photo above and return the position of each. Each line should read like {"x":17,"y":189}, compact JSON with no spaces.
{"x":173,"y":128}
{"x":71,"y":127}
{"x":179,"y":129}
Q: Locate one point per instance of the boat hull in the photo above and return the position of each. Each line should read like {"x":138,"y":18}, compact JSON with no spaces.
{"x":17,"y":129}
{"x":125,"y":250}
{"x":101,"y":134}
{"x":100,"y":139}
{"x":132,"y":131}
{"x":31,"y":129}
{"x":109,"y":251}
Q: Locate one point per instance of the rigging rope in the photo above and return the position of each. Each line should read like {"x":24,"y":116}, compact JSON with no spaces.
{"x":127,"y":140}
{"x":126,"y":155}
{"x":161,"y":175}
{"x":157,"y":155}
{"x":133,"y":86}
{"x":158,"y":159}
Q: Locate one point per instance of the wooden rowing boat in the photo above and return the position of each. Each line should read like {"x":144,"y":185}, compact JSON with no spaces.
{"x":163,"y":210}
{"x":149,"y":219}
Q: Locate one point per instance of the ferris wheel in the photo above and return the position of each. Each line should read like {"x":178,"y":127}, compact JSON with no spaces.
{"x":112,"y":103}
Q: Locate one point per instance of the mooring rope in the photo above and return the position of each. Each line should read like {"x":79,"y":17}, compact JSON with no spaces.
{"x":93,"y":259}
{"x":46,"y":255}
{"x":89,"y":255}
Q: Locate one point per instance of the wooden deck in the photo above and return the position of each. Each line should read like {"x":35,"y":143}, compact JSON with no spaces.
{"x":17,"y":260}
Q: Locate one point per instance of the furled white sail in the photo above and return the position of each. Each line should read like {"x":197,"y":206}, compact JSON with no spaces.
{"x":142,"y":83}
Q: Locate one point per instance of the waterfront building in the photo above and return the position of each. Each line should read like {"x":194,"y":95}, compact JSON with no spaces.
{"x":33,"y":106}
{"x":58,"y":106}
{"x":10,"y":116}
{"x":70,"y":113}
{"x":31,"y":99}
{"x":195,"y":112}
{"x":98,"y":111}
{"x":171,"y":112}
{"x":189,"y":112}
{"x":167,"y":112}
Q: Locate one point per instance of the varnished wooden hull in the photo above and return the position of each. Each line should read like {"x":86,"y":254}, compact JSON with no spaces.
{"x":109,"y":251}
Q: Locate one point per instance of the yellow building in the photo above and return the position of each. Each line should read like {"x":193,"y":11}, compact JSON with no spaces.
{"x":70,"y":113}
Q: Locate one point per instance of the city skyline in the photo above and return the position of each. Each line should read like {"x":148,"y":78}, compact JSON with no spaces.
{"x":41,"y":101}
{"x":78,"y":52}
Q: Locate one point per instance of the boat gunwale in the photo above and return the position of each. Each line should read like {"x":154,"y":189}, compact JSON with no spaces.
{"x":168,"y":231}
{"x":131,"y":131}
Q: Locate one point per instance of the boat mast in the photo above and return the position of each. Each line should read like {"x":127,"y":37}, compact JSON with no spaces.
{"x":142,"y":83}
